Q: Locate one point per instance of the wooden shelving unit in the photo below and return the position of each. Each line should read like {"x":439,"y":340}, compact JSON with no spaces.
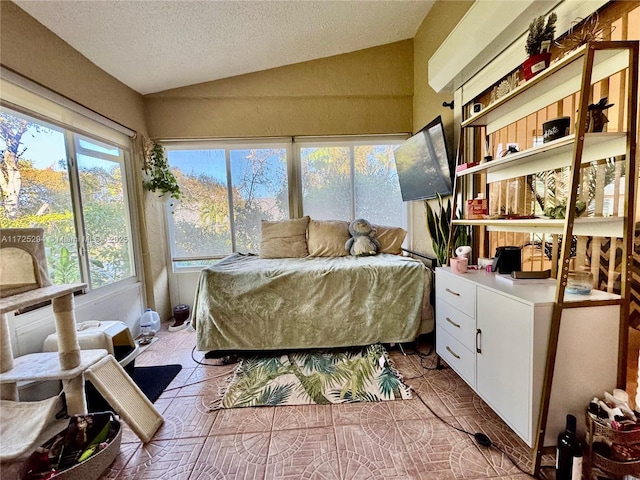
{"x":577,"y":72}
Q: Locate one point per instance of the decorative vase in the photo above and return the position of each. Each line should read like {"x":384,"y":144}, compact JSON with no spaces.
{"x":535,"y":64}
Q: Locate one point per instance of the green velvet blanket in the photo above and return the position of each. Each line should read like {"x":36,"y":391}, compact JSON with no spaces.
{"x":248,"y":303}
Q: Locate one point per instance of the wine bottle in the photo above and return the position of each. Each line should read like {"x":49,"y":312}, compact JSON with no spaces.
{"x":566,"y":448}
{"x":576,"y":462}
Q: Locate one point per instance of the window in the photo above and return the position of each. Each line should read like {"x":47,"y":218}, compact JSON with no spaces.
{"x":347,"y":179}
{"x":73,"y":186}
{"x":227,"y":191}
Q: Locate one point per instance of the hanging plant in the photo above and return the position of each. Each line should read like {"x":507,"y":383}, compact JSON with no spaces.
{"x":158,"y":176}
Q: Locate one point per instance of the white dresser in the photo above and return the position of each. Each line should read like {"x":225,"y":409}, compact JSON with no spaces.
{"x":494,"y":334}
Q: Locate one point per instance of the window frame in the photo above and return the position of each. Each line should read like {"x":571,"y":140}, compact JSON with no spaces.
{"x":351,"y":142}
{"x":227,"y":145}
{"x":24,"y":98}
{"x":293,"y":146}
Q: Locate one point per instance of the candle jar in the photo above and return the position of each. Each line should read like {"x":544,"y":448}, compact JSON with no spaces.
{"x":579,"y":282}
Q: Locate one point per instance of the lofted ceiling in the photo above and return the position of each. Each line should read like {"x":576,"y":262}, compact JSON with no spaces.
{"x":155,"y":45}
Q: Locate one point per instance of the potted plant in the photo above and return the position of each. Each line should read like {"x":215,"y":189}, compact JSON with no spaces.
{"x":158,"y":177}
{"x":538,"y":45}
{"x":439,"y":226}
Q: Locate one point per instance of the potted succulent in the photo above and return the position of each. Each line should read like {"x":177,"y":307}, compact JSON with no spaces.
{"x":538,"y":45}
{"x":158,"y":176}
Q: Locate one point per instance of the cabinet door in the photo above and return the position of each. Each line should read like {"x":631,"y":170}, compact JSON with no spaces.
{"x":503,"y":362}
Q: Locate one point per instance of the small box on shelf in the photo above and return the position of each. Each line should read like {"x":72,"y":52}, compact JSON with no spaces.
{"x":477,"y":208}
{"x":462,"y":167}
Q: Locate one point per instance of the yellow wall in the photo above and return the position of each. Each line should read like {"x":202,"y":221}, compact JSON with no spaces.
{"x":368,"y":91}
{"x":427,"y":104}
{"x":33,"y":51}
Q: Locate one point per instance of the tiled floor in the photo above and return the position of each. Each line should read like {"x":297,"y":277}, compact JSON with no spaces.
{"x":384,"y":440}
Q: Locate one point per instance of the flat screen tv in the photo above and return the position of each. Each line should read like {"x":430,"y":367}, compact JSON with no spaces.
{"x":423,"y":164}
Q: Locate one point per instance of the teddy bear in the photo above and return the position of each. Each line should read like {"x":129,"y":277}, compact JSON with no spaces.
{"x":363,"y":241}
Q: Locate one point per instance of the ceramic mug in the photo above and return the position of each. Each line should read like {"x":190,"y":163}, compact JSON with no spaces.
{"x":459,"y":264}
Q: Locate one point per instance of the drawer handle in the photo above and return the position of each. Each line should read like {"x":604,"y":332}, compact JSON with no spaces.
{"x":452,"y":322}
{"x":452,"y":292}
{"x":453,"y":353}
{"x":478,"y":333}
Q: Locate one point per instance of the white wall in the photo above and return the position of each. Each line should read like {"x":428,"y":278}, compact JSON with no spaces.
{"x":118,"y":302}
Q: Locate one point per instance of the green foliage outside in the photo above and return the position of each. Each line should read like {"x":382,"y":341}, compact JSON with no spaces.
{"x":326,"y":186}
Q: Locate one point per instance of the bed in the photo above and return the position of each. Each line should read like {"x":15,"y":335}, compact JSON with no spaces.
{"x":246,"y":302}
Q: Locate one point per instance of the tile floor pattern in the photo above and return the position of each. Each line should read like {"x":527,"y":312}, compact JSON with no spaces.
{"x":391,"y":440}
{"x":385,"y":440}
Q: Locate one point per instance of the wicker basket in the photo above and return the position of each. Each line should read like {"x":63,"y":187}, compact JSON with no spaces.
{"x":95,"y":465}
{"x":616,"y":468}
{"x":601,"y":432}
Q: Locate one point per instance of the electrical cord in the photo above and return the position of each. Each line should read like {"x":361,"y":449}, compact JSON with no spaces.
{"x":480,"y":438}
{"x":226,"y":360}
{"x":226,"y":374}
{"x":412,"y":349}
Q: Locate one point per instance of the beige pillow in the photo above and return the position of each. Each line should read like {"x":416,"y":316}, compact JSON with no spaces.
{"x":327,"y":238}
{"x":390,"y":239}
{"x":284,"y":239}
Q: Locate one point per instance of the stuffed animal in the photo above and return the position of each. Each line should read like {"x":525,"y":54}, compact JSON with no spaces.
{"x":363,"y":241}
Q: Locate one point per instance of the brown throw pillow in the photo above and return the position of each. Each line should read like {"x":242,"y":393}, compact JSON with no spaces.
{"x":390,"y":239}
{"x":327,"y":238}
{"x":284,"y":239}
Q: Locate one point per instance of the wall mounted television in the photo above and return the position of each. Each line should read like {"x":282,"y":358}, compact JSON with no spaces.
{"x":423,"y":164}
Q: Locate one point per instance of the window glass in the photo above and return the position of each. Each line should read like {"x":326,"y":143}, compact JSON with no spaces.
{"x":326,"y":183}
{"x":36,"y":191}
{"x":259,"y":185}
{"x":200,"y":220}
{"x":352,"y":181}
{"x":228,"y":189}
{"x":377,"y":189}
{"x":105,"y":216}
{"x":223,"y":202}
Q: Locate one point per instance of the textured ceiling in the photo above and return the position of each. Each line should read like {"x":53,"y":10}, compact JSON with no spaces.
{"x":155,"y":45}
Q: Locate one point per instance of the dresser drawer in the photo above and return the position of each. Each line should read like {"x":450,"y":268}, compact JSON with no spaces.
{"x":458,"y":357}
{"x":460,"y":326}
{"x":456,"y":292}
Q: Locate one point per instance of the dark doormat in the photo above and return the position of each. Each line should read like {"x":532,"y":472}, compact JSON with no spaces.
{"x":151,"y":380}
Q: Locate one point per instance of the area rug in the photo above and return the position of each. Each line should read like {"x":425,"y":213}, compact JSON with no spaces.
{"x":151,"y":380}
{"x":363,"y":374}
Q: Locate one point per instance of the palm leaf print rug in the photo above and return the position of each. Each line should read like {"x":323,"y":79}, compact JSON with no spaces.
{"x":363,"y":374}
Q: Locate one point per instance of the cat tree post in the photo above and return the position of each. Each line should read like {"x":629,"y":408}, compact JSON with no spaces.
{"x":69,"y":352}
{"x":8,"y":391}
